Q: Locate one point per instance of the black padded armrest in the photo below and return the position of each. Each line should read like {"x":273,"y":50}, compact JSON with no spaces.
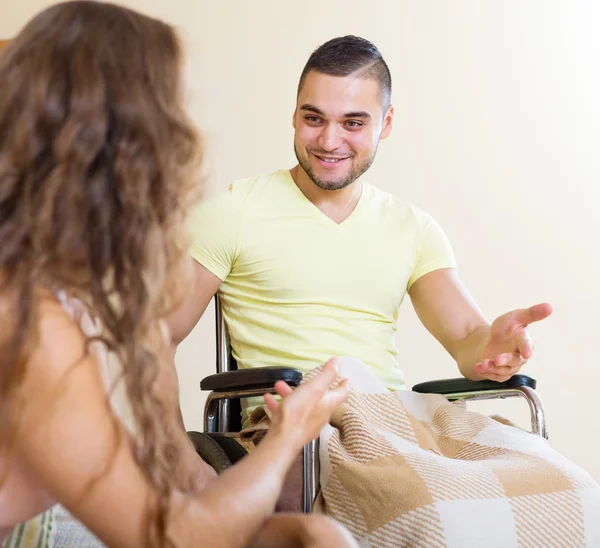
{"x":246,"y":379}
{"x":451,"y":386}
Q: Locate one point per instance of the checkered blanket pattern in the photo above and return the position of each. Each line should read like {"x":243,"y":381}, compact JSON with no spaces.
{"x":408,"y":469}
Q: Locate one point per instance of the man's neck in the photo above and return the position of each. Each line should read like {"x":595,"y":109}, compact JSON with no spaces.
{"x":338,"y":205}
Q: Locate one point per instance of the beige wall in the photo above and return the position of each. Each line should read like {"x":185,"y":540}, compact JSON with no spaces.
{"x":496,"y":134}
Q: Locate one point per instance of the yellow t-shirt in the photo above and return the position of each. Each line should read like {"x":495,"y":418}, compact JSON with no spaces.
{"x":299,"y":288}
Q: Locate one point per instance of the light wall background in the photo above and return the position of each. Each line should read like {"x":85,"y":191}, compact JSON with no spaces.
{"x":497,"y":135}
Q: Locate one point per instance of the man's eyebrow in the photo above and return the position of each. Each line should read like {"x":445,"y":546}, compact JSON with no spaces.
{"x":355,"y":114}
{"x":312,"y":108}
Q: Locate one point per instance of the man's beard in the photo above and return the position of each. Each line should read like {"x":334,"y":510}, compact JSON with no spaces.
{"x":354,"y":173}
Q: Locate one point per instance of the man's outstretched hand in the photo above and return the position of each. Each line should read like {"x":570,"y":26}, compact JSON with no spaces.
{"x":509,"y":345}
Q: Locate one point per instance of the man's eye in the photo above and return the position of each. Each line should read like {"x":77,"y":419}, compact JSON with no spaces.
{"x":353,"y":124}
{"x":313,"y":119}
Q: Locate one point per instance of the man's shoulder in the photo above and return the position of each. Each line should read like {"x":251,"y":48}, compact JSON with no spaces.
{"x":388,"y":204}
{"x":251,"y":187}
{"x":239,"y":195}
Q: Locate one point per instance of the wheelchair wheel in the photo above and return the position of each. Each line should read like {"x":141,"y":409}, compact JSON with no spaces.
{"x":218,"y":451}
{"x":210,"y":451}
{"x":233,"y":449}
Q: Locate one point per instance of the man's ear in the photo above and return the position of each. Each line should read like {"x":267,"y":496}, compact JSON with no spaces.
{"x":294,"y":118}
{"x":388,"y":122}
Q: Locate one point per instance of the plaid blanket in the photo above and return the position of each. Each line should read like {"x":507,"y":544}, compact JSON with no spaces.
{"x":408,"y":469}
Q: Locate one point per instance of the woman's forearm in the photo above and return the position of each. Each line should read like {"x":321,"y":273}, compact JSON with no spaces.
{"x":231,"y":511}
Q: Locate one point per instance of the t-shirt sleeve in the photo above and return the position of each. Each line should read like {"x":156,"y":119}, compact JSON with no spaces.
{"x":433,"y":249}
{"x":215,"y":229}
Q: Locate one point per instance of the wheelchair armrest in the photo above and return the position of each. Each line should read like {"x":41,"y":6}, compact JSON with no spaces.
{"x":453,"y":386}
{"x":248,"y":379}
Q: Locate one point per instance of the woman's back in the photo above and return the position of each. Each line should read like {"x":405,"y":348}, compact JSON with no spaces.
{"x":96,"y":158}
{"x":96,"y":177}
{"x":21,"y":495}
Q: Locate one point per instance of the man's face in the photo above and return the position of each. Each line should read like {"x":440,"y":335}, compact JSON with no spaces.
{"x":338,"y":123}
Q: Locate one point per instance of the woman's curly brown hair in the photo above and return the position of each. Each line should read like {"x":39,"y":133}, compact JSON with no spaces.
{"x":96,"y":158}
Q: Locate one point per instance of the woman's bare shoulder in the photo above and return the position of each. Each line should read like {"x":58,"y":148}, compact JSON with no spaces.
{"x":53,"y":342}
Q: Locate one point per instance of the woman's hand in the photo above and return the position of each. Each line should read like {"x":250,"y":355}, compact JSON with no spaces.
{"x":308,"y":408}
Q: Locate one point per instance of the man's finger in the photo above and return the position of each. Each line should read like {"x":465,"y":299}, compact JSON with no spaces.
{"x":506,"y":371}
{"x":497,"y":377}
{"x":525,"y":346}
{"x":533,"y":314}
{"x":510,"y":359}
{"x":503,"y":359}
{"x":484,"y":367}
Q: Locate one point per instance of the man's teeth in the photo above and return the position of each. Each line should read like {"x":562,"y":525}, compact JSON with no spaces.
{"x":332,"y":160}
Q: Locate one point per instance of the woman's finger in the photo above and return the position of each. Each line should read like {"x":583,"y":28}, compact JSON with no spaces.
{"x":320,"y":384}
{"x":338,"y":395}
{"x":271,"y":402}
{"x":283,"y":388}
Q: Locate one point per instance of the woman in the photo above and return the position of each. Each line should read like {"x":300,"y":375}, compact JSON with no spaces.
{"x":97,"y":160}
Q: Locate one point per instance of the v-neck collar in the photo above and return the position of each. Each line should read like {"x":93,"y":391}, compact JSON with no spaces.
{"x":316,"y":212}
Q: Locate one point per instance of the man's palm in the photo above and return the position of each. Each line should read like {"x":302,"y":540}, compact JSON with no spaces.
{"x":509,"y":345}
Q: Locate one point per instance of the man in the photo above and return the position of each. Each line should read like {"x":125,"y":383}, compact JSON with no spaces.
{"x":314,"y":262}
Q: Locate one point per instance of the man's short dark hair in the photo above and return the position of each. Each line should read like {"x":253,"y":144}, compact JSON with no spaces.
{"x":348,"y":55}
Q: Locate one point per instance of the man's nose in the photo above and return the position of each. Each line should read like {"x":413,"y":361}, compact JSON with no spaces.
{"x":330,"y":138}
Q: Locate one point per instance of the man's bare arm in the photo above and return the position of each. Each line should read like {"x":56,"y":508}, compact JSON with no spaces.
{"x":450,"y":314}
{"x":204,"y":287}
{"x":482,"y":351}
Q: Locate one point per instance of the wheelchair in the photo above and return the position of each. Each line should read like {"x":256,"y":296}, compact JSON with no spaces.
{"x":222,"y":413}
